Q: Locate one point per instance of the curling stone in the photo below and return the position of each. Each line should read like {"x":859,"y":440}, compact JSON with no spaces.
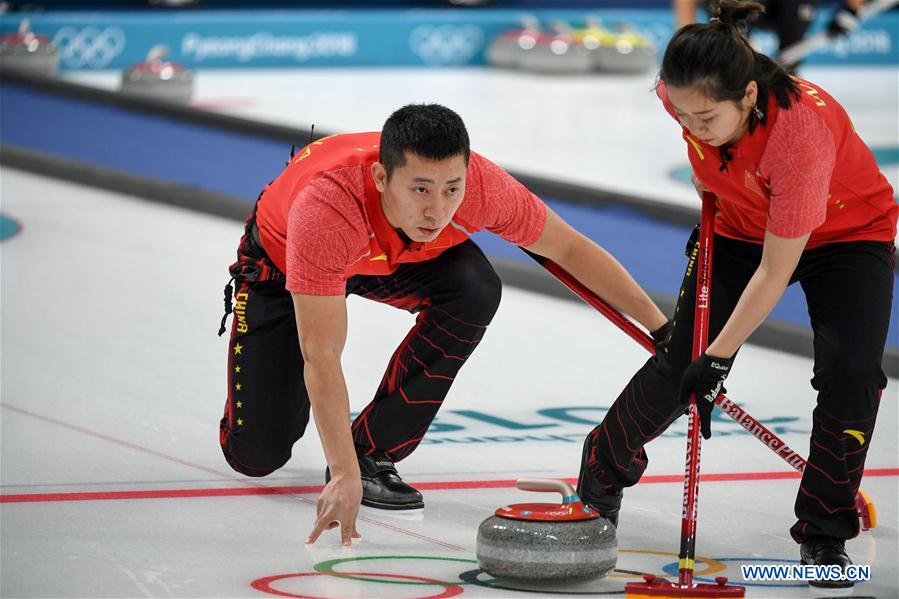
{"x":24,"y":51}
{"x":158,"y":78}
{"x":634,"y":53}
{"x":596,"y":40}
{"x":560,"y":53}
{"x":624,"y":51}
{"x":547,"y":541}
{"x":506,"y":50}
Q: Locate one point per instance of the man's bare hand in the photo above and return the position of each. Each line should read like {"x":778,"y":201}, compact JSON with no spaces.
{"x":338,"y":506}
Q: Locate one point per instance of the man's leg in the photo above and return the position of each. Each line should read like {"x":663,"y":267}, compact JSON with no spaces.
{"x":849,"y":288}
{"x":267,"y":408}
{"x":455,"y":296}
{"x":613,"y":456}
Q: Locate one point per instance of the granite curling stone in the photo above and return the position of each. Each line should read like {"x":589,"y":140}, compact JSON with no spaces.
{"x":560,"y":53}
{"x":507,"y":50}
{"x":158,"y":79}
{"x":622,"y":51}
{"x":541,"y":542}
{"x":26,"y":52}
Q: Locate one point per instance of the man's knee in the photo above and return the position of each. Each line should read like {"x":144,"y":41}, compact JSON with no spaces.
{"x":256,"y":459}
{"x":253,"y":464}
{"x":655,"y":389}
{"x":480,"y":289}
{"x":486,"y":291}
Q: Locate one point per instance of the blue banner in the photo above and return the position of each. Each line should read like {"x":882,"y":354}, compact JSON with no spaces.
{"x":331,"y":38}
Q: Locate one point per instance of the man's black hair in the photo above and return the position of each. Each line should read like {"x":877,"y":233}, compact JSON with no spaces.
{"x":430,"y":131}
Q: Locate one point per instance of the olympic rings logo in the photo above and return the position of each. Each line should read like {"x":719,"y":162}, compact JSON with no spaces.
{"x":446,"y":44}
{"x":292,"y":585}
{"x":89,"y":47}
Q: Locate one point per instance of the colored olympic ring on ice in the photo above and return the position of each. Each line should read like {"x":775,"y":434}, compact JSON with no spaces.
{"x":471,"y":577}
{"x":265,"y":584}
{"x":453,"y":588}
{"x":328,"y":567}
{"x":713,"y":566}
{"x":89,"y":47}
{"x":672,"y":569}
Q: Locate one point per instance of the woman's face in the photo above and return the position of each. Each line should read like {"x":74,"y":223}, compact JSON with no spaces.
{"x":715,"y":123}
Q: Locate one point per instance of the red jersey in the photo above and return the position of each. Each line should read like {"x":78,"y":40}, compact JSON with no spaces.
{"x":321,"y":220}
{"x":805,"y":171}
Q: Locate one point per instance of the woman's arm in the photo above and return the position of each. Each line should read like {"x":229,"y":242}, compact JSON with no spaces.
{"x":780,"y":255}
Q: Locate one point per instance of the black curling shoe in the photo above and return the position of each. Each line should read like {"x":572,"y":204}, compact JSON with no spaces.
{"x":382,"y":487}
{"x":826,"y":551}
{"x":592,"y":493}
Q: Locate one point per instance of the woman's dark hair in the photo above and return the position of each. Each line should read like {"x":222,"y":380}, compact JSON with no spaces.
{"x":430,"y":131}
{"x":717,"y":58}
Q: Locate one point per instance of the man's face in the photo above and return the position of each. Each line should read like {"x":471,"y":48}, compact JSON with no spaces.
{"x":421,"y":197}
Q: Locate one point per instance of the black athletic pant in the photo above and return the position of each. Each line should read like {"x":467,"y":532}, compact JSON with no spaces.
{"x":849,"y":289}
{"x":455,"y":296}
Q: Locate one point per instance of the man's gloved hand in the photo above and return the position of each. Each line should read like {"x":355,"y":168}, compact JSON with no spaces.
{"x":660,"y":338}
{"x":660,"y":335}
{"x":844,"y":21}
{"x":705,"y":377}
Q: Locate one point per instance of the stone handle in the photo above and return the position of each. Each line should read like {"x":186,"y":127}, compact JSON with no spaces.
{"x":548,"y":484}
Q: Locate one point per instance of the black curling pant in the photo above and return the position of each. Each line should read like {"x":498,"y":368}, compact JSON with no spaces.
{"x":455,"y":296}
{"x":849,"y":289}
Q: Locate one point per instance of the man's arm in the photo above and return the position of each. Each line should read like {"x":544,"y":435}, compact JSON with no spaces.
{"x":597,"y":269}
{"x":322,"y":328}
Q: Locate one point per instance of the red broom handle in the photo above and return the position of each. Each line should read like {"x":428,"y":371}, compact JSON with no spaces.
{"x":729,"y":407}
{"x":703,"y":265}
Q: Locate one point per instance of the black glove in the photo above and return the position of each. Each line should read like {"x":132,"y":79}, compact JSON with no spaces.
{"x":660,"y":338}
{"x":705,"y":377}
{"x":844,"y":22}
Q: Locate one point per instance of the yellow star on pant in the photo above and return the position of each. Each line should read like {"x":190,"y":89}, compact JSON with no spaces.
{"x":237,"y":369}
{"x":237,"y":386}
{"x":239,"y":422}
{"x":240,"y":404}
{"x":237,"y":349}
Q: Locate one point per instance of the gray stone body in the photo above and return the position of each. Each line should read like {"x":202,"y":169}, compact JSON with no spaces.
{"x":169,"y":86}
{"x":627,"y":59}
{"x":531,"y":550}
{"x":558,"y":56}
{"x":505,"y":52}
{"x":31,"y":55}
